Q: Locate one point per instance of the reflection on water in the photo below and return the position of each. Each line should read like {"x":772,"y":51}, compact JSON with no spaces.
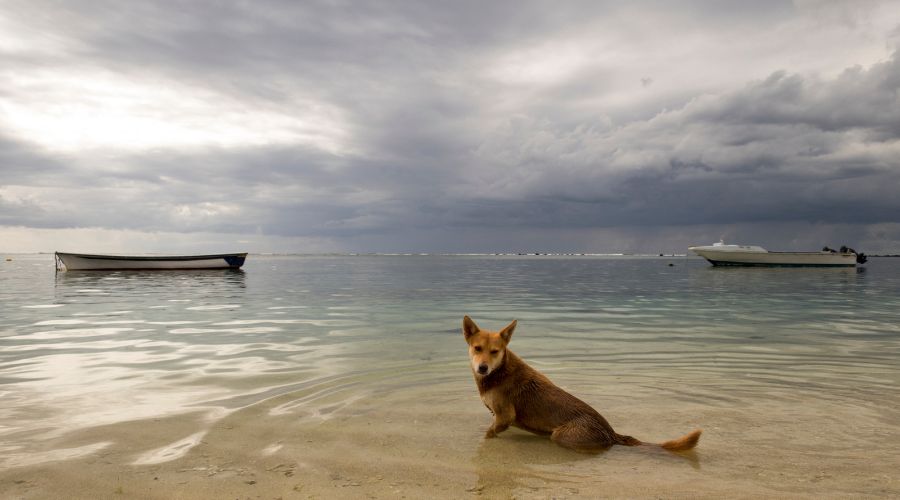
{"x":174,"y":281}
{"x":332,"y":336}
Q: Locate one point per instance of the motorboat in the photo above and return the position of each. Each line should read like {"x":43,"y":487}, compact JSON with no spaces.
{"x":720,"y":254}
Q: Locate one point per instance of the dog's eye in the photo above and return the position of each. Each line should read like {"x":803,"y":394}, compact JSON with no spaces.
{"x":478,"y":348}
{"x":494,"y":351}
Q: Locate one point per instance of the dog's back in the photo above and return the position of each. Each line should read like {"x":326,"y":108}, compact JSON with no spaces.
{"x":540,"y":405}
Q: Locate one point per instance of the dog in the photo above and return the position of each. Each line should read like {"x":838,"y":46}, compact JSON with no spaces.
{"x":520,"y":396}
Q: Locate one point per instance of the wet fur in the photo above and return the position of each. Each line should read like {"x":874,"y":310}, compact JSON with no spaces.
{"x":520,"y":396}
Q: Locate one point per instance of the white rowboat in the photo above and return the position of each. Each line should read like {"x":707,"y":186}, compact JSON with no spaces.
{"x":88,"y":262}
{"x":720,"y":254}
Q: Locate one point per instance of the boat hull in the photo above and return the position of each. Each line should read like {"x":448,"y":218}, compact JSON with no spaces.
{"x":87,"y":262}
{"x":776,"y":259}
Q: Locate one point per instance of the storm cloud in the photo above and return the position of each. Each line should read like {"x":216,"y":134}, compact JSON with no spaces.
{"x":460,"y":127}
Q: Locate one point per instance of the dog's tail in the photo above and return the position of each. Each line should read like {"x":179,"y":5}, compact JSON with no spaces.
{"x":683,"y":443}
{"x":686,"y":442}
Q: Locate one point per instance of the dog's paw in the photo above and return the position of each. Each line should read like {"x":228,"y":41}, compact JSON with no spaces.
{"x":490,"y":433}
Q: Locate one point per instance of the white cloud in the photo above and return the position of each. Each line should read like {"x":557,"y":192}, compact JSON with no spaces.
{"x":74,"y":110}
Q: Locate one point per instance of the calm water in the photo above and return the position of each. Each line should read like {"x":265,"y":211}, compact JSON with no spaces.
{"x":87,"y":349}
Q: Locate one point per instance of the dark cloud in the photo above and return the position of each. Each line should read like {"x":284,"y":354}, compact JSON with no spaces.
{"x":785,"y":148}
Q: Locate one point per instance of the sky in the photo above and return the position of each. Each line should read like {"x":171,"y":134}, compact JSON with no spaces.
{"x":434,"y":126}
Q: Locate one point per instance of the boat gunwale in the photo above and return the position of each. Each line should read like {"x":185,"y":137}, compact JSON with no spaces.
{"x":735,"y":252}
{"x":156,"y":269}
{"x":731,"y":263}
{"x":843,"y":254}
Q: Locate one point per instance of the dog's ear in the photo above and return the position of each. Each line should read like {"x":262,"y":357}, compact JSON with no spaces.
{"x":507,"y":332}
{"x":469,"y":327}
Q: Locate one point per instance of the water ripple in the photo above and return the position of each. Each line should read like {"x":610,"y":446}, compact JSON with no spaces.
{"x":83,"y":350}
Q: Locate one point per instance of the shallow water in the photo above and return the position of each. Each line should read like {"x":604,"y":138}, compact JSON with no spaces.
{"x":772,"y":363}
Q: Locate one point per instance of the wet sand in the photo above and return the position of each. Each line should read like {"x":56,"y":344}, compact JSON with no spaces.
{"x":426,"y":441}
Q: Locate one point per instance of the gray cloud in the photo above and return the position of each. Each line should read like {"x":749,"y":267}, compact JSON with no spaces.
{"x":784,"y":148}
{"x":25,"y":163}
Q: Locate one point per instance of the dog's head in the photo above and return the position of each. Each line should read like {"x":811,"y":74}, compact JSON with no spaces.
{"x":486,"y":349}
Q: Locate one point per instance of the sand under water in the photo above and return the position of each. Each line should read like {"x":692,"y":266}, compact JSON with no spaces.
{"x":427,"y":442}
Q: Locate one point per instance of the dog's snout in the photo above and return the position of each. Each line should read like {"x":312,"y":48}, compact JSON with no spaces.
{"x":482,"y":368}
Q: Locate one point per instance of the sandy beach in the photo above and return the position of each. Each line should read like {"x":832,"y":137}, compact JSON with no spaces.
{"x":423,"y":442}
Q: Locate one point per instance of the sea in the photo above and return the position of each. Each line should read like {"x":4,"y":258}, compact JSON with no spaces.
{"x":793,"y":374}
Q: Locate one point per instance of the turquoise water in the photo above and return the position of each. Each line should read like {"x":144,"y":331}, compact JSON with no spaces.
{"x":80,"y":350}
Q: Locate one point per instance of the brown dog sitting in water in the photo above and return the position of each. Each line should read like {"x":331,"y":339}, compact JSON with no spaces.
{"x":519,"y":395}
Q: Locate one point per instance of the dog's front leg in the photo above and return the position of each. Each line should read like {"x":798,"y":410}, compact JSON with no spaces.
{"x":503,"y":417}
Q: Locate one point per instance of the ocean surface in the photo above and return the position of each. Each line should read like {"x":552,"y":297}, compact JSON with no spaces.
{"x":813,"y":353}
